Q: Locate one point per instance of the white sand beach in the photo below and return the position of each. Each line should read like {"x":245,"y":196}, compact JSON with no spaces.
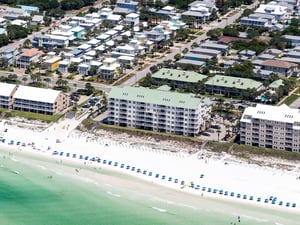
{"x":208,"y":177}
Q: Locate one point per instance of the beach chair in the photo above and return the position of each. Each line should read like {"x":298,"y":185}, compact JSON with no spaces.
{"x":163,"y":177}
{"x":170,"y":179}
{"x":74,"y":155}
{"x":116,"y":164}
{"x":68,"y":154}
{"x":287,"y":204}
{"x":61,"y":153}
{"x":232,"y":194}
{"x":157,"y":175}
{"x":176,"y":181}
{"x":150,"y":174}
{"x":81,"y":157}
{"x":258,"y":199}
{"x":122,"y":165}
{"x":294,"y":205}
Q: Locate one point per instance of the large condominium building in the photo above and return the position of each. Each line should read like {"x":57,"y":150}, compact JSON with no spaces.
{"x":276,"y":127}
{"x":39,"y":100}
{"x":158,"y":110}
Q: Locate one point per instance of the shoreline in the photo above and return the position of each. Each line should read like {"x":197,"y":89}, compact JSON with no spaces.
{"x":180,"y":166}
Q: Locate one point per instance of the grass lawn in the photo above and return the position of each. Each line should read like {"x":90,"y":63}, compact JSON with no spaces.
{"x":289,"y":100}
{"x":33,"y":116}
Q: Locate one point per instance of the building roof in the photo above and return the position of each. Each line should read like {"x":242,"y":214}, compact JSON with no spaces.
{"x":156,"y":96}
{"x":198,"y":56}
{"x":179,"y":75}
{"x":127,"y":2}
{"x":214,"y":45}
{"x":29,"y":8}
{"x":227,"y":40}
{"x":132,"y":15}
{"x":276,"y":83}
{"x":206,"y":50}
{"x":266,"y":56}
{"x":278,"y":63}
{"x":290,"y":59}
{"x":32,"y":52}
{"x":273,"y":51}
{"x":36,"y":94}
{"x":291,"y":37}
{"x":233,"y":82}
{"x":293,"y":53}
{"x":193,"y":62}
{"x":281,"y":113}
{"x":6,"y":89}
{"x":52,"y":59}
{"x":37,"y":18}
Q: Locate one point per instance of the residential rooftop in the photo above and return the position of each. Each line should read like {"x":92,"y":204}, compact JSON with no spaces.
{"x":157,"y":97}
{"x":281,"y":113}
{"x":36,"y":94}
{"x":233,"y":82}
{"x":179,"y":75}
{"x":276,"y":83}
{"x":6,"y":89}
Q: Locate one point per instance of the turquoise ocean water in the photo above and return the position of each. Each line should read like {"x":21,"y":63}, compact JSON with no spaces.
{"x":38,"y":191}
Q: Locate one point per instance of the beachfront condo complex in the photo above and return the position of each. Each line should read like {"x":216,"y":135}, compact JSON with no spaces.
{"x":32,"y":99}
{"x":158,"y":110}
{"x":276,"y":127}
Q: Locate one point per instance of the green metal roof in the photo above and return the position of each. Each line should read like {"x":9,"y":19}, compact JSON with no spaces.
{"x":179,"y":75}
{"x":231,"y":82}
{"x":276,"y":84}
{"x":157,"y":96}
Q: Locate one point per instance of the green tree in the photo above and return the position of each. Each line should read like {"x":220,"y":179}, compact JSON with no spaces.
{"x":89,"y":88}
{"x":3,"y":40}
{"x":230,"y":31}
{"x":16,"y":32}
{"x":215,"y":33}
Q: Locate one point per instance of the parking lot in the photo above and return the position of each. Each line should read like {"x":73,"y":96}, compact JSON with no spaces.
{"x":219,"y":129}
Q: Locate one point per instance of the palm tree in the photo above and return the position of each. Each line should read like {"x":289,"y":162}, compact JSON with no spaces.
{"x":218,"y":132}
{"x":27,"y":43}
{"x":24,"y":79}
{"x":220,"y":102}
{"x":75,"y":87}
{"x":48,"y":80}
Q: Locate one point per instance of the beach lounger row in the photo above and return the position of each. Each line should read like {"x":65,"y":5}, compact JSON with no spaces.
{"x":271,"y":199}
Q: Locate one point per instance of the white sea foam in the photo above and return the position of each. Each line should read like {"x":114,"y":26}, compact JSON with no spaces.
{"x":112,"y":194}
{"x":159,"y":209}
